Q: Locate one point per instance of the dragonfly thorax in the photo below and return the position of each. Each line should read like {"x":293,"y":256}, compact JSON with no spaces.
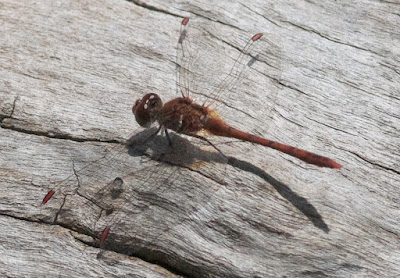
{"x":181,"y":114}
{"x":146,"y":109}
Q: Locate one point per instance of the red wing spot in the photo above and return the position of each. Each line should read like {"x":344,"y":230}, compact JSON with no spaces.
{"x":185,"y":21}
{"x":104,"y":234}
{"x":257,"y":36}
{"x":48,"y":197}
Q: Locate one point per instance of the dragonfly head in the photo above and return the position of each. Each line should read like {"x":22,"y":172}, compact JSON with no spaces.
{"x":146,"y":109}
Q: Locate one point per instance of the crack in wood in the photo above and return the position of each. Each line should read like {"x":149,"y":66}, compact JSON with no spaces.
{"x":152,"y":8}
{"x":54,"y":135}
{"x":375,"y":163}
{"x":294,"y":89}
{"x":330,"y":39}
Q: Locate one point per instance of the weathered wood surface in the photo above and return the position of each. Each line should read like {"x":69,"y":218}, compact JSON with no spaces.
{"x":70,"y":71}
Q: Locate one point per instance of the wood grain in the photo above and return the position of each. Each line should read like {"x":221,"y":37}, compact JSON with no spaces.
{"x":71,"y":71}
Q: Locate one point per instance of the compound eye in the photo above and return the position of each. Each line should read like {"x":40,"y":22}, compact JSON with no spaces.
{"x":135,"y":106}
{"x":146,"y":109}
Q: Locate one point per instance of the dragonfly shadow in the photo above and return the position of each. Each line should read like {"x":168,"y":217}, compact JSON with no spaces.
{"x":192,"y":198}
{"x":295,"y":199}
{"x":185,"y":154}
{"x":181,"y":153}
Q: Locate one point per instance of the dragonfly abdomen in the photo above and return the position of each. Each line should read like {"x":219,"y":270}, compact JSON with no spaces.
{"x":220,"y":128}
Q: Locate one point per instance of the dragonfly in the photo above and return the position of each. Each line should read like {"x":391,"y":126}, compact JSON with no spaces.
{"x":184,"y":116}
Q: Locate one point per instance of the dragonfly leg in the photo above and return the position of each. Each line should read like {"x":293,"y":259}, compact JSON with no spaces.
{"x":208,"y":141}
{"x":160,"y":158}
{"x":148,"y":139}
{"x":168,"y":138}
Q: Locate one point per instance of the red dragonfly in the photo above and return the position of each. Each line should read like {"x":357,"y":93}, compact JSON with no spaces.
{"x":184,"y":116}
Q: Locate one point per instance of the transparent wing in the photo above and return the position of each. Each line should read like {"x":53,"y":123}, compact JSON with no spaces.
{"x":228,"y":76}
{"x":132,"y":182}
{"x":196,"y":44}
{"x":162,"y":194}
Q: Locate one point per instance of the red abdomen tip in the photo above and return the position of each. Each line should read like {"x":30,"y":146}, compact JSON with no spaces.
{"x":48,"y":197}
